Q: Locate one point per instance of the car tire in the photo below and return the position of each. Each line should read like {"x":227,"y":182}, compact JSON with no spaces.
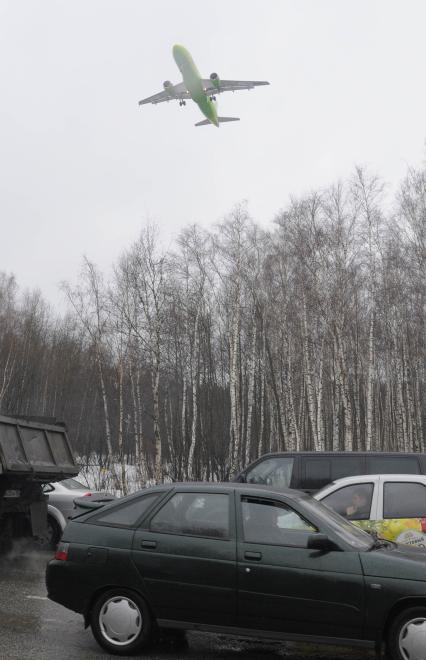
{"x":52,"y":538}
{"x":54,"y":533}
{"x":406,"y":639}
{"x":121,"y":622}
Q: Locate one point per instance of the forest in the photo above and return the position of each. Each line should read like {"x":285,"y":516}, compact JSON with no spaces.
{"x":191,"y":361}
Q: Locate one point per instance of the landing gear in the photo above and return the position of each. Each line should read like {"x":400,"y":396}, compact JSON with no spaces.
{"x":212,"y":98}
{"x":182,"y":103}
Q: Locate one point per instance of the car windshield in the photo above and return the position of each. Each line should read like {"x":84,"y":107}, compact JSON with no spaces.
{"x":345,"y":530}
{"x":73,"y":484}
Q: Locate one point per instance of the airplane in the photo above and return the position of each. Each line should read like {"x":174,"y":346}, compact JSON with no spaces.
{"x":202,"y":91}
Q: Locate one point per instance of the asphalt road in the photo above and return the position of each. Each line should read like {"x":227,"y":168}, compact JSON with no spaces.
{"x":32,"y":627}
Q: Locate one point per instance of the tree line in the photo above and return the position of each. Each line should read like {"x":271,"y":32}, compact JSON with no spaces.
{"x":192,"y":361}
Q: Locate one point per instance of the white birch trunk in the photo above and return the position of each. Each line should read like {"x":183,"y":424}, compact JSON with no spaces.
{"x":291,"y":406}
{"x":347,"y":403}
{"x":106,"y":419}
{"x":195,"y":377}
{"x":310,"y":388}
{"x":320,"y":419}
{"x":120,"y":428}
{"x":262,"y":397}
{"x":336,"y":400}
{"x":250,"y":398}
{"x":369,"y":441}
{"x":234,"y":393}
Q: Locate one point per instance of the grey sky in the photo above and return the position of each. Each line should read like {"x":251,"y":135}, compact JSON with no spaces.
{"x":82,"y":166}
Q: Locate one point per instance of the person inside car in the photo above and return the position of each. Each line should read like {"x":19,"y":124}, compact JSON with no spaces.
{"x":359,"y":508}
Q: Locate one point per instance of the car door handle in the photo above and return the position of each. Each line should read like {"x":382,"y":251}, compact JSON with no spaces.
{"x":148,"y":544}
{"x":253,"y":556}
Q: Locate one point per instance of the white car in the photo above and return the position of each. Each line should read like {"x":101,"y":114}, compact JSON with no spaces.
{"x":60,"y":508}
{"x":391,"y":505}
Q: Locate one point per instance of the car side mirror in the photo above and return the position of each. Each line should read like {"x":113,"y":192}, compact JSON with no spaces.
{"x":319,"y":542}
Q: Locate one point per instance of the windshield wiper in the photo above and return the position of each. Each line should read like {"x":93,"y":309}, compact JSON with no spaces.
{"x":382,"y":543}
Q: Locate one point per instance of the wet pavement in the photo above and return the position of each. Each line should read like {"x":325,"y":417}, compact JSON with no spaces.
{"x":33,"y":627}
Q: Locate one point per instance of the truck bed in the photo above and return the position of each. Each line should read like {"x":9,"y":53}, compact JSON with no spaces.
{"x":36,"y":449}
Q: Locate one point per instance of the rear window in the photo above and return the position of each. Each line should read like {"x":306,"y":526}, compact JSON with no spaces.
{"x":73,"y":484}
{"x":127,"y":514}
{"x":194,"y":514}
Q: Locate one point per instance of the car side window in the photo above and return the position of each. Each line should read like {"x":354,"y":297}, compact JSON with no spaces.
{"x":352,"y":502}
{"x":127,"y":514}
{"x":194,"y":514}
{"x":275,"y":471}
{"x":404,"y":500}
{"x":269,"y":521}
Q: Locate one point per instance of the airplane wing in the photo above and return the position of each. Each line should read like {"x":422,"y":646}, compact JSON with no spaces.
{"x":231,"y":85}
{"x":172,"y":92}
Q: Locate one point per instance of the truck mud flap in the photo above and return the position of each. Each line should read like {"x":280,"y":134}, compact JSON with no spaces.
{"x":38,"y":512}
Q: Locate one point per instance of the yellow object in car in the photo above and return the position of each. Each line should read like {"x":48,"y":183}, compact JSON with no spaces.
{"x":408,"y":531}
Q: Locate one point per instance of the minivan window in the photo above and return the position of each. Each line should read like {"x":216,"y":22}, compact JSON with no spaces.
{"x":404,"y":500}
{"x":392,"y":465}
{"x":194,"y":514}
{"x":275,"y":471}
{"x":317,"y":471}
{"x":346,"y":466}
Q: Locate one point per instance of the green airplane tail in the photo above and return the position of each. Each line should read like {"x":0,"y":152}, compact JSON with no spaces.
{"x":221,"y":120}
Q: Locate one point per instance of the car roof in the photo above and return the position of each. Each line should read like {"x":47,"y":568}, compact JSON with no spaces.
{"x":207,"y":486}
{"x":365,"y":478}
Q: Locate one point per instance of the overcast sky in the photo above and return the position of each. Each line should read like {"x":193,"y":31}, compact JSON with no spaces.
{"x":82,"y":166}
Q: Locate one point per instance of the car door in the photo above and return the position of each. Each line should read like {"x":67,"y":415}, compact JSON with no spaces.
{"x":284,"y":586}
{"x":402,"y":509}
{"x":186,"y":556}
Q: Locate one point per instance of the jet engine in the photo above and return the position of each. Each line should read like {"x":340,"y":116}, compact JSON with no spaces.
{"x":215,"y":80}
{"x":169,"y":88}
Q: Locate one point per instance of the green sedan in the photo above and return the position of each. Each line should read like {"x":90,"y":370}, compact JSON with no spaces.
{"x":242,"y":560}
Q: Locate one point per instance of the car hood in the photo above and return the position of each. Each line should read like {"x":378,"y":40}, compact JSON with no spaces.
{"x":401,"y":562}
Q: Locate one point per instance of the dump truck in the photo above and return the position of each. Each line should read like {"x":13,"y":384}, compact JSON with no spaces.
{"x":33,"y":451}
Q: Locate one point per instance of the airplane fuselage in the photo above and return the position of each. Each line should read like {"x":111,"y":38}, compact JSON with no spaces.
{"x":193,"y":81}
